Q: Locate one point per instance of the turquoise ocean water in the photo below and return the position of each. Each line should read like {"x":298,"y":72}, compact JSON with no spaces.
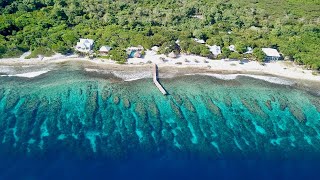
{"x":91,"y":116}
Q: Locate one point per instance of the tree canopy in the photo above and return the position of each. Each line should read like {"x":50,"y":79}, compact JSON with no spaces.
{"x":293,"y":27}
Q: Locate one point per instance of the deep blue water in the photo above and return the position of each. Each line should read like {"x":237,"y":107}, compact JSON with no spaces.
{"x":67,"y":124}
{"x":65,"y":168}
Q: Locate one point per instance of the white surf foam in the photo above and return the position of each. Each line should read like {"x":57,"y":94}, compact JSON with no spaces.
{"x":271,"y":79}
{"x":28,"y":74}
{"x":133,"y":79}
{"x":275,"y":80}
{"x":93,"y":70}
{"x":126,"y":76}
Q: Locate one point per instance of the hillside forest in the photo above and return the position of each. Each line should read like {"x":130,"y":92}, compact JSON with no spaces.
{"x":49,"y":26}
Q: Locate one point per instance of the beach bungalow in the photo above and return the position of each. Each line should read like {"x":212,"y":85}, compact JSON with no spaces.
{"x":201,"y":17}
{"x":172,"y":55}
{"x":249,"y":50}
{"x":104,"y":49}
{"x":85,"y":45}
{"x":271,"y":54}
{"x":215,"y":50}
{"x":201,"y":41}
{"x":155,"y":48}
{"x":178,"y":42}
{"x":135,"y":52}
{"x":232,"y":48}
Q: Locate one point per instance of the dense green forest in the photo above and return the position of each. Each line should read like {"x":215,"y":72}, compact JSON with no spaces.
{"x":47,"y":26}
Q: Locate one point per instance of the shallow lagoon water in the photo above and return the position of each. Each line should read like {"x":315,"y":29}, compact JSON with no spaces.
{"x":72,"y":114}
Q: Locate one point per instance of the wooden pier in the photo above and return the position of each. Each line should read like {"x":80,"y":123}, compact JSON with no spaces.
{"x":155,"y":80}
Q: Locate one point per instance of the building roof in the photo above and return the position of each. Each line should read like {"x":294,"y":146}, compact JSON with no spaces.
{"x":84,"y":41}
{"x":232,"y":48}
{"x":198,"y":16}
{"x":105,"y":48}
{"x":81,"y":45}
{"x":249,"y":50}
{"x":84,"y":45}
{"x":172,"y":55}
{"x":271,"y":52}
{"x":201,"y":41}
{"x":215,"y":50}
{"x":137,"y":54}
{"x":155,"y":48}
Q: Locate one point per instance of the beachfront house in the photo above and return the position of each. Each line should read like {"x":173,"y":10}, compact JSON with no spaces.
{"x":271,"y":54}
{"x":84,"y":45}
{"x":104,"y":49}
{"x":215,"y":50}
{"x":249,"y":50}
{"x":135,"y":52}
{"x":178,"y":42}
{"x":232,"y":48}
{"x":155,"y":48}
{"x":172,"y":55}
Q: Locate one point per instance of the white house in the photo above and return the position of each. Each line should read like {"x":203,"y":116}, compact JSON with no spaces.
{"x":172,"y":55}
{"x":271,"y":54}
{"x":85,"y":45}
{"x":249,"y":50}
{"x":155,"y":48}
{"x":215,"y":50}
{"x":105,"y":49}
{"x":232,"y":48}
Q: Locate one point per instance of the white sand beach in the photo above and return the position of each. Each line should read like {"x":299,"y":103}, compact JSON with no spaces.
{"x":280,"y":68}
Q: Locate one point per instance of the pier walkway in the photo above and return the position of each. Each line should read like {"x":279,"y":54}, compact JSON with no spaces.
{"x":155,"y":80}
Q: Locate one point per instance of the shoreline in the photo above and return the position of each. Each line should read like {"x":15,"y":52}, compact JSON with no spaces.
{"x":136,"y":71}
{"x":183,"y":65}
